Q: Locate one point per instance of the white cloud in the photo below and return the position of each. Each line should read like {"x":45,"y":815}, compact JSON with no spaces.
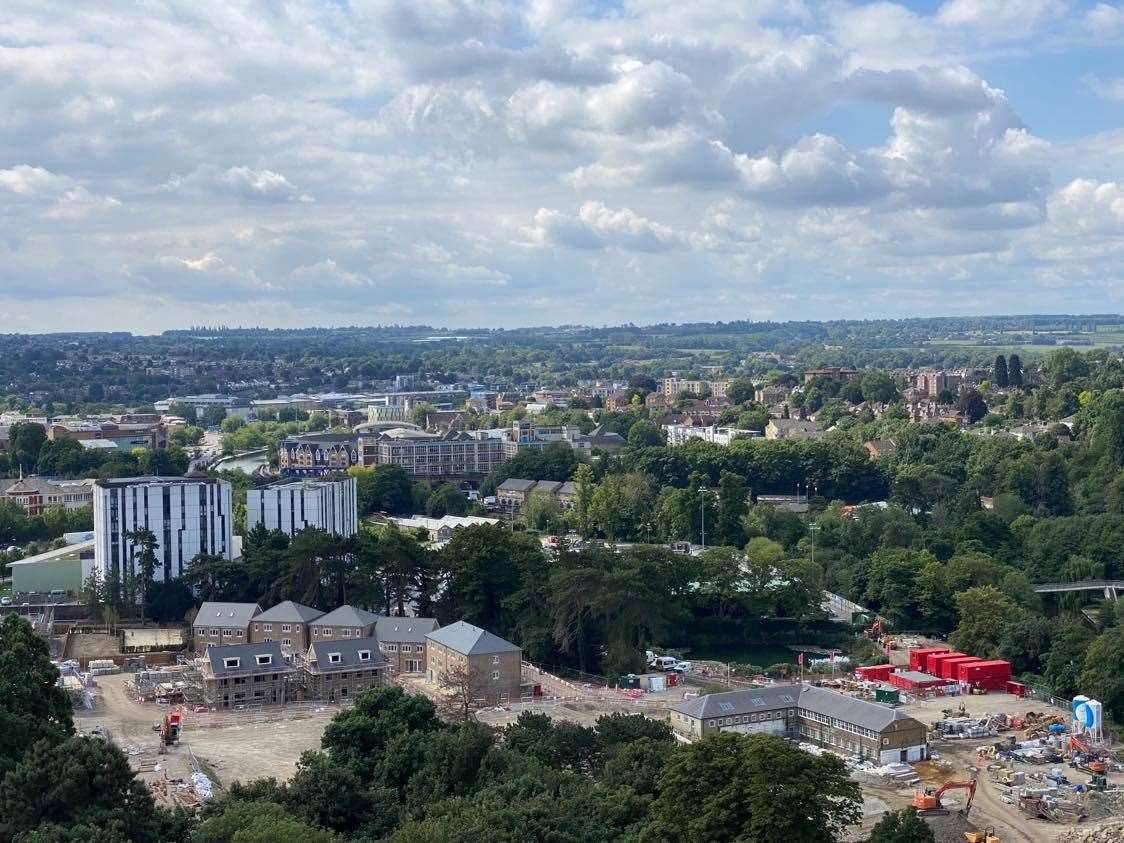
{"x":597,"y":226}
{"x":25,"y":180}
{"x":1109,"y":89}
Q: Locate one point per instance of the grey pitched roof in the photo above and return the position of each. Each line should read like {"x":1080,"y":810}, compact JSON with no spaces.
{"x":247,"y":658}
{"x":547,"y":486}
{"x":869,"y":715}
{"x":733,"y":703}
{"x":347,"y":616}
{"x":515,"y":484}
{"x":568,"y":488}
{"x":348,"y":650}
{"x":226,"y":614}
{"x":470,"y":640}
{"x":407,"y":630}
{"x":289,"y":612}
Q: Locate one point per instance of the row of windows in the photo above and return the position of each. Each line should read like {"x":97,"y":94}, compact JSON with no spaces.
{"x":327,"y":632}
{"x":268,"y":627}
{"x":836,"y":723}
{"x":393,"y":648}
{"x":226,"y":633}
{"x":751,"y":718}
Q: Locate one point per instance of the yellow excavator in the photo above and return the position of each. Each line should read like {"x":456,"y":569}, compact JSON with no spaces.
{"x":985,"y":836}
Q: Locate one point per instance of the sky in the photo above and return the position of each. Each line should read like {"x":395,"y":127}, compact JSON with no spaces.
{"x":480,"y":163}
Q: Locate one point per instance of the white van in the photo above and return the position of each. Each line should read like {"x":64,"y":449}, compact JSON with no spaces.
{"x":664,"y":662}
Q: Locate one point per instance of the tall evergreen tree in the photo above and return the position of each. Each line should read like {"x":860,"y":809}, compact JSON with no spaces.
{"x":1014,"y":371}
{"x":1000,"y":376}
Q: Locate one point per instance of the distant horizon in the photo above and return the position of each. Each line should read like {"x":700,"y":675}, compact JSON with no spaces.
{"x":575,"y":326}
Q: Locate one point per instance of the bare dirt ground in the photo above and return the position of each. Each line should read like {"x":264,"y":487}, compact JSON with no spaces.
{"x":235,"y":752}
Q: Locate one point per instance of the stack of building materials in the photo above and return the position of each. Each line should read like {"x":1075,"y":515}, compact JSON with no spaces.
{"x":101,"y":667}
{"x":1108,"y":832}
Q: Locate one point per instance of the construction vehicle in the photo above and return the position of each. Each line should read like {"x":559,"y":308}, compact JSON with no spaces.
{"x":169,"y":728}
{"x":928,"y":801}
{"x":1098,"y":782}
{"x":985,"y":836}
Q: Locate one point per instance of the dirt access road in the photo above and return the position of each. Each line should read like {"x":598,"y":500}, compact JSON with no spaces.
{"x":234,"y":752}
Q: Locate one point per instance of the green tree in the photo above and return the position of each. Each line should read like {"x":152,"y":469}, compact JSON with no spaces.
{"x":971,"y":405}
{"x":446,"y":499}
{"x":1014,"y":370}
{"x":142,"y":547}
{"x":32,"y":706}
{"x":984,"y":612}
{"x":484,"y":564}
{"x":731,"y":787}
{"x":384,"y":488}
{"x":1065,"y":661}
{"x":903,"y":826}
{"x":741,"y":390}
{"x":81,"y":783}
{"x":999,"y":372}
{"x":880,"y":387}
{"x":732,"y":509}
{"x":25,"y":441}
{"x":257,"y":822}
{"x":1102,"y":676}
{"x":1064,"y":365}
{"x":644,"y":434}
{"x":583,"y":499}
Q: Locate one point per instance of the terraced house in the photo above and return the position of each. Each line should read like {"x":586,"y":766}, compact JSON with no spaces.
{"x":237,"y":675}
{"x":287,"y":622}
{"x":402,"y":642}
{"x":216,"y":624}
{"x":336,"y":670}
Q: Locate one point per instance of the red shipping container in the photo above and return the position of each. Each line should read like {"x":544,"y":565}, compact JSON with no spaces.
{"x":875,"y":672}
{"x":991,"y":675}
{"x":1016,"y":688}
{"x":912,"y":680}
{"x":950,"y":668}
{"x":933,"y":660}
{"x":918,"y":654}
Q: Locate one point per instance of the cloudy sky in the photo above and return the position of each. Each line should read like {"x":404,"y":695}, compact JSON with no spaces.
{"x":488,"y":163}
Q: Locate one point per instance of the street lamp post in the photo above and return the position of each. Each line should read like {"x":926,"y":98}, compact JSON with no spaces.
{"x":812,"y":528}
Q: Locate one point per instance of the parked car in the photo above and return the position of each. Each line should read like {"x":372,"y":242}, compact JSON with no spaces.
{"x":683,"y":667}
{"x":5,"y":601}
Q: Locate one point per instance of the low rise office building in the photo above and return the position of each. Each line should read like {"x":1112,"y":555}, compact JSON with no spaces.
{"x":828,"y":718}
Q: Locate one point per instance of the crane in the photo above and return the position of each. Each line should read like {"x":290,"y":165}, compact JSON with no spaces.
{"x":929,"y":800}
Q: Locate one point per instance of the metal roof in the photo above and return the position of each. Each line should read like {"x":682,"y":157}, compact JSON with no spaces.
{"x":407,"y":630}
{"x":347,"y":616}
{"x":346,"y":654}
{"x":225,"y":614}
{"x":470,"y":640}
{"x":289,"y":612}
{"x":247,"y":655}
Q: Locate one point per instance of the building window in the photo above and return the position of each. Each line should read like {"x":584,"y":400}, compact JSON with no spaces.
{"x":347,"y":633}
{"x":265,"y":659}
{"x":392,"y":648}
{"x":214,"y":633}
{"x":316,"y":631}
{"x":269,"y":627}
{"x":334,"y":658}
{"x":364,"y":655}
{"x":495,"y":675}
{"x":286,"y":627}
{"x":231,"y":662}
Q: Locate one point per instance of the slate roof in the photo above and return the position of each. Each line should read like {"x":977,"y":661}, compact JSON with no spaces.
{"x":247,"y":658}
{"x":289,"y":612}
{"x":470,"y":640}
{"x":748,"y":701}
{"x":515,"y":484}
{"x":347,"y":616}
{"x":869,"y":715}
{"x":226,"y":614}
{"x":405,"y":630}
{"x":348,"y":650}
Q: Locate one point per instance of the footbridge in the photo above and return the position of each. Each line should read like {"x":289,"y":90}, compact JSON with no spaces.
{"x":1110,"y":588}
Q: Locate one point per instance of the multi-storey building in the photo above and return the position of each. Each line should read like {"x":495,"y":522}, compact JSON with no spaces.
{"x":793,"y":429}
{"x":344,"y":622}
{"x":681,"y":434}
{"x":34,"y":494}
{"x":187,"y":515}
{"x":287,"y":622}
{"x":328,"y":504}
{"x":455,"y":454}
{"x":317,"y":454}
{"x":828,"y":718}
{"x":471,"y":659}
{"x":402,"y":642}
{"x":512,"y":494}
{"x":932,"y":382}
{"x":674,"y":386}
{"x":247,"y":674}
{"x":336,"y":670}
{"x":842,"y":373}
{"x":217,"y":624}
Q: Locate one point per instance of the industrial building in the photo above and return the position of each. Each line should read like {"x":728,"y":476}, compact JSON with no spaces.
{"x":323,"y":504}
{"x":818,"y":715}
{"x":187,"y":515}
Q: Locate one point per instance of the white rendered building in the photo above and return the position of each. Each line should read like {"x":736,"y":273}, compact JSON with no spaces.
{"x":327,"y":504}
{"x":187,"y":515}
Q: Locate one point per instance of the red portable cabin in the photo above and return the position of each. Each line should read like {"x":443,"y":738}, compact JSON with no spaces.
{"x":991,"y":675}
{"x":950,"y":668}
{"x":918,"y":654}
{"x":874,"y":672}
{"x":912,"y":680}
{"x":933,"y":660}
{"x":1016,"y":688}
